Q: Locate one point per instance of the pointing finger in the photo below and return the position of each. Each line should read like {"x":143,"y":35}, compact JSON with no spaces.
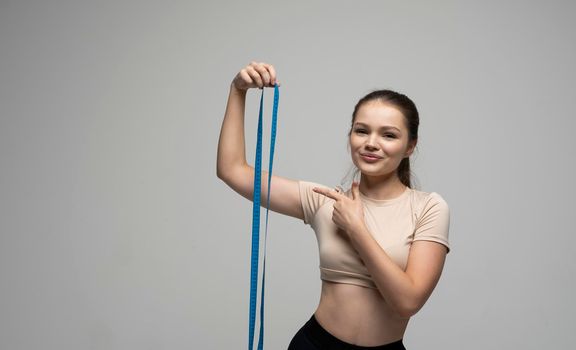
{"x":327,"y":192}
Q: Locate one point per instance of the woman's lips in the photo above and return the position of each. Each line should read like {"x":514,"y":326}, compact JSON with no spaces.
{"x":369,"y":159}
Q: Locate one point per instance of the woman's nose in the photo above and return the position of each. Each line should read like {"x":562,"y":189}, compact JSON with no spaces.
{"x":371,"y":142}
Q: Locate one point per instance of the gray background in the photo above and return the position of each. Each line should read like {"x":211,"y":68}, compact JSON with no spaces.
{"x":117,"y":234}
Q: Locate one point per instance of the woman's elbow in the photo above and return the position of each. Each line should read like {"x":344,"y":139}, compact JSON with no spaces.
{"x":219,"y":173}
{"x":223,"y":173}
{"x":408,"y":308}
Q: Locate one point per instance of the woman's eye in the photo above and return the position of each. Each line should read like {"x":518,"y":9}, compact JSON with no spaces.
{"x":390,"y":135}
{"x":361,"y":131}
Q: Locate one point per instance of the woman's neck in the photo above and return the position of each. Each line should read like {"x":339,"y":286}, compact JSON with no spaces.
{"x":382,"y":187}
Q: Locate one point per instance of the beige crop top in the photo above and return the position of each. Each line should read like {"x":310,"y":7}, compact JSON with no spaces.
{"x":395,"y":223}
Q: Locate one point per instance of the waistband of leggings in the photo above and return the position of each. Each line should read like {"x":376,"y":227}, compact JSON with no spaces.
{"x":317,"y":332}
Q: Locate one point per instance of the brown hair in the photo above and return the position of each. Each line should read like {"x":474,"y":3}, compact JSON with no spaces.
{"x":411,"y":118}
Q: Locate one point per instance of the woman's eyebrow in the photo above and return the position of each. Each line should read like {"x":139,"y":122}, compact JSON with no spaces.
{"x":383,"y":127}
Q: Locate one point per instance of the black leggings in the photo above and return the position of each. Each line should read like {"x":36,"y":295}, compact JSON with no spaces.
{"x":312,"y":336}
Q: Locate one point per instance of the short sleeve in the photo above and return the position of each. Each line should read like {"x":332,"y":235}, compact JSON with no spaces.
{"x":310,"y":200}
{"x":433,"y":223}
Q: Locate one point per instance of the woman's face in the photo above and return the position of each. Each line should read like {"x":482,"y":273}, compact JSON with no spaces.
{"x":379,"y":130}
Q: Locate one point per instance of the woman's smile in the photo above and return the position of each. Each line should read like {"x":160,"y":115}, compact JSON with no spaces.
{"x":369,"y":159}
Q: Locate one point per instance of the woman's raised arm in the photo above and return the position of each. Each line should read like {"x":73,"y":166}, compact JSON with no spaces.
{"x":232,"y":167}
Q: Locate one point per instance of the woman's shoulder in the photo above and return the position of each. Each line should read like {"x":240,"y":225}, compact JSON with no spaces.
{"x":311,"y":201}
{"x":428,"y":198}
{"x":307,"y":185}
{"x":310,"y":183}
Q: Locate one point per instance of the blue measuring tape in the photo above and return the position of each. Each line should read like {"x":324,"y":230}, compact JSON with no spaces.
{"x":255,"y":255}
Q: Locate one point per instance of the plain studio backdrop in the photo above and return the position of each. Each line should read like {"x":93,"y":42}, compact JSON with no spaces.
{"x":117,"y":234}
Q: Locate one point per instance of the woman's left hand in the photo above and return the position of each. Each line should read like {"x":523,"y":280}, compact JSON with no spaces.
{"x":348,"y":212}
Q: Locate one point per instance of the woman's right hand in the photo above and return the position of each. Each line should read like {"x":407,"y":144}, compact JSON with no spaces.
{"x":256,"y":74}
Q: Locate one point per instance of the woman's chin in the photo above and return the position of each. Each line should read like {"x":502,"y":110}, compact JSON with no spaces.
{"x":367,"y":171}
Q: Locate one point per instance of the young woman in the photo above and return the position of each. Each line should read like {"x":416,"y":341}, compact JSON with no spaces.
{"x":382,"y":244}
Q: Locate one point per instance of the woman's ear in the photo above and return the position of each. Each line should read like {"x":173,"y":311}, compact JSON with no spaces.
{"x":411,"y":147}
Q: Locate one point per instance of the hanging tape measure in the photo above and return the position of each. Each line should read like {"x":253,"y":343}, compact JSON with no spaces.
{"x":256,"y":223}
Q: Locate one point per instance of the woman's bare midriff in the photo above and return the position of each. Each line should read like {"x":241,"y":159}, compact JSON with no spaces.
{"x":358,"y":315}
